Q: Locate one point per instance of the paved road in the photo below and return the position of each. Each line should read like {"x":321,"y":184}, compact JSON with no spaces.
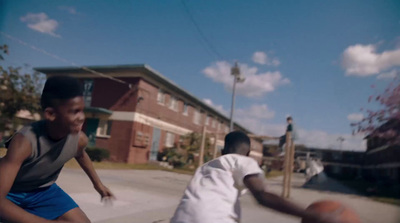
{"x":152,"y":196}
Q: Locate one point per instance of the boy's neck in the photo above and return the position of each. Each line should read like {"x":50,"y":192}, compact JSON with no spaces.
{"x":53,"y":131}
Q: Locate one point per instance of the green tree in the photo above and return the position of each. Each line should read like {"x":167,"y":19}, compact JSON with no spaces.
{"x":189,"y":148}
{"x":17,"y":92}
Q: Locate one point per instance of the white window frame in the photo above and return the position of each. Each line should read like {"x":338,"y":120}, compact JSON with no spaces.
{"x":214,"y":123}
{"x":169,"y":139}
{"x":102,"y":128}
{"x":173,"y":103}
{"x":161,"y":97}
{"x":196,"y":117}
{"x":185,"y":110}
{"x":207,"y":122}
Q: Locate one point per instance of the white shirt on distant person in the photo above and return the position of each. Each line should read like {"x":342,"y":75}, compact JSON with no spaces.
{"x":212,"y":195}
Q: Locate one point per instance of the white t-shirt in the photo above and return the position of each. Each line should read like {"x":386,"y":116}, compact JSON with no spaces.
{"x":212,"y":195}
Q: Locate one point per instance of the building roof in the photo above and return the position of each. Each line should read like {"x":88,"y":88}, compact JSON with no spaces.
{"x":150,"y":74}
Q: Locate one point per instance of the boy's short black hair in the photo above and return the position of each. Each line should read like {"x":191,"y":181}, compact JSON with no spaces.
{"x":233,"y":139}
{"x":289,"y":118}
{"x":60,"y":88}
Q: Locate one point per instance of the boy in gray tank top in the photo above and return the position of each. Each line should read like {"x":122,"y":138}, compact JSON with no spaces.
{"x":36,"y":155}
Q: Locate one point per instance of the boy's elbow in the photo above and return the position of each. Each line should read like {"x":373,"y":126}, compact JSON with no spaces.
{"x":259,"y":196}
{"x":264,"y":198}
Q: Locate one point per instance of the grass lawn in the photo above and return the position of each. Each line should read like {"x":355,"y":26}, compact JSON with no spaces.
{"x":273,"y":173}
{"x":387,"y":200}
{"x":109,"y":165}
{"x":113,"y":166}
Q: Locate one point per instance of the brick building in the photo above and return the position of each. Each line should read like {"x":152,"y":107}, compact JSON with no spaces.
{"x":382,"y":159}
{"x":136,"y":121}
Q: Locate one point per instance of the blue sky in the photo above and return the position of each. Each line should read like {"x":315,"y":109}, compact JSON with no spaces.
{"x":314,"y":60}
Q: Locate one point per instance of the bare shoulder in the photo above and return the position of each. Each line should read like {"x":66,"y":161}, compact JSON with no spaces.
{"x":20,"y":149}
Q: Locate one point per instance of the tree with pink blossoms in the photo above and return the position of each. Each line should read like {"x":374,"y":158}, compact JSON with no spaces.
{"x":383,"y":123}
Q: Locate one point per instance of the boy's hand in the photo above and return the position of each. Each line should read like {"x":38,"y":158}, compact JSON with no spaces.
{"x":104,"y":192}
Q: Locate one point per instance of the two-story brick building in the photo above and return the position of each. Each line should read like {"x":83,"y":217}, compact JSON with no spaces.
{"x":143,"y":113}
{"x":382,"y":159}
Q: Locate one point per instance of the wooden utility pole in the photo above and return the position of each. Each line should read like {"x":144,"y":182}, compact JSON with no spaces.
{"x":291,"y":166}
{"x":215,"y":146}
{"x":203,"y":142}
{"x":288,"y":165}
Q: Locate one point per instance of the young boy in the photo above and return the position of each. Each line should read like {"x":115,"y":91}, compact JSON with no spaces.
{"x":282,"y":140}
{"x":36,"y":155}
{"x":212,"y":195}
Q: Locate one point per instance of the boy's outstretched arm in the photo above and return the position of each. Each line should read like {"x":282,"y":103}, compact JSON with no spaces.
{"x":256,"y":185}
{"x":86,"y":164}
{"x":19,"y":150}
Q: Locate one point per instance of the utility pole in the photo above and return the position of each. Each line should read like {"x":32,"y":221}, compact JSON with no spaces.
{"x":340,"y":139}
{"x":237,"y":78}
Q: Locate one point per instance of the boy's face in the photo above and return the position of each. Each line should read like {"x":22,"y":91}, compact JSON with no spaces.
{"x":69,"y":115}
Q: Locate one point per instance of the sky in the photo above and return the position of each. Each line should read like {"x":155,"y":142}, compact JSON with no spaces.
{"x":313,"y":60}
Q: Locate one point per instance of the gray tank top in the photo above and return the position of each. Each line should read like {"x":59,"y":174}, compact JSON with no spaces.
{"x":48,"y":157}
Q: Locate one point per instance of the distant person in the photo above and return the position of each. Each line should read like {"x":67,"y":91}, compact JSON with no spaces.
{"x":313,"y":169}
{"x":37,"y":153}
{"x":212,"y":195}
{"x":282,"y":140}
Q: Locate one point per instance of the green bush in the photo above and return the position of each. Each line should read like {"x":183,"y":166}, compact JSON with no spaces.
{"x":97,"y":154}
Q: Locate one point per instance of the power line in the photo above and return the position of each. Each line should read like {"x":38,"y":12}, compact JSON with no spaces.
{"x":64,"y":60}
{"x":202,"y":35}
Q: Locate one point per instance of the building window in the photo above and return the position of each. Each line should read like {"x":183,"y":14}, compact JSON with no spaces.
{"x":226,"y":129}
{"x":196,"y":117}
{"x":173,"y":103}
{"x":219,"y":126}
{"x":161,"y":97}
{"x":207,"y":120}
{"x":214,"y":123}
{"x":185,"y":108}
{"x":169,"y":139}
{"x":104,"y":128}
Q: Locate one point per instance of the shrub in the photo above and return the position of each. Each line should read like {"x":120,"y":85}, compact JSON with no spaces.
{"x":97,"y":154}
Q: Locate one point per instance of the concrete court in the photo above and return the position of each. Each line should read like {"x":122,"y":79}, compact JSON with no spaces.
{"x":151,"y":196}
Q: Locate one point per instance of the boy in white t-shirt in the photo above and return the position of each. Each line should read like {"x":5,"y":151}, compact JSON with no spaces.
{"x":212,"y":195}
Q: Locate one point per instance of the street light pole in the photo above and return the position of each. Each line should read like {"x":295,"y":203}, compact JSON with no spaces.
{"x":232,"y":105}
{"x":235,"y":71}
{"x":340,"y":139}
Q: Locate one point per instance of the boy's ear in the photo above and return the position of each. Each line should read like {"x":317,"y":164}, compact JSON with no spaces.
{"x":49,"y":114}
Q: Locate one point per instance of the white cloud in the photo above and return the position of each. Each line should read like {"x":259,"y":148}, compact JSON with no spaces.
{"x":363,"y":60}
{"x":321,"y":139}
{"x":68,"y":9}
{"x":309,"y":138}
{"x":219,"y":108}
{"x":254,"y":119}
{"x":41,"y":23}
{"x":262,"y":58}
{"x":355,"y":117}
{"x":255,"y":111}
{"x":255,"y":85}
{"x":388,"y":75}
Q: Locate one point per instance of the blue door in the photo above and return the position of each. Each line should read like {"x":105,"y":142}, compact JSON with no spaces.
{"x":155,"y":144}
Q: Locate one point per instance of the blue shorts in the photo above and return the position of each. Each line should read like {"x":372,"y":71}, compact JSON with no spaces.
{"x":49,"y":203}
